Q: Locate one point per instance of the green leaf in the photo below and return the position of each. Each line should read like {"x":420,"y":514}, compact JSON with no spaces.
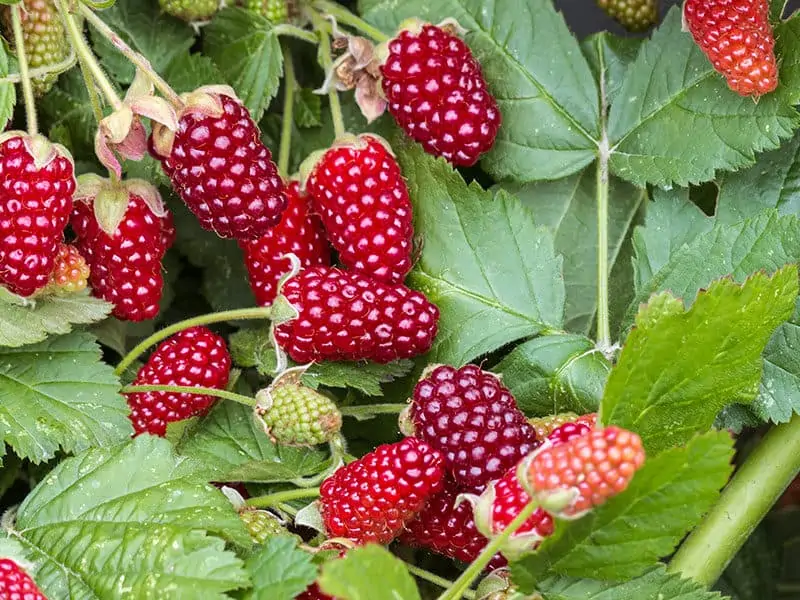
{"x":307,"y":108}
{"x":679,"y":369}
{"x":20,"y":325}
{"x":655,"y":584}
{"x":68,"y":116}
{"x":126,"y":522}
{"x":247,"y":51}
{"x":672,"y":221}
{"x":280,"y":571}
{"x":148,"y":30}
{"x":667,"y":497}
{"x":779,"y":392}
{"x":679,"y":122}
{"x":491,"y":271}
{"x":536,"y":71}
{"x":228,"y":445}
{"x":609,"y":57}
{"x":59,"y":395}
{"x":8,"y":93}
{"x":787,"y":49}
{"x":368,"y":573}
{"x":187,"y":72}
{"x":568,"y":207}
{"x":555,"y":373}
{"x":770,"y":183}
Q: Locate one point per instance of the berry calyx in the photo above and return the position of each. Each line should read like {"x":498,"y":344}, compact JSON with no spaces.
{"x":357,"y":188}
{"x":37,"y":180}
{"x":344,"y":315}
{"x":295,"y":415}
{"x":195,"y":357}
{"x":70,"y":273}
{"x":16,"y":584}
{"x":737,"y":38}
{"x":372,"y":498}
{"x":473,"y":420}
{"x":437,"y":93}
{"x":571,"y":478}
{"x":299,"y":233}
{"x":219,"y":166}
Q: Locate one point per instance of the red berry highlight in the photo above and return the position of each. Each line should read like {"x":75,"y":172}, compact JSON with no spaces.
{"x":737,"y":38}
{"x":347,"y":316}
{"x":372,"y":498}
{"x":299,"y":233}
{"x":473,"y":420}
{"x":360,"y":193}
{"x":437,"y":94}
{"x":195,"y":357}
{"x":37,"y":180}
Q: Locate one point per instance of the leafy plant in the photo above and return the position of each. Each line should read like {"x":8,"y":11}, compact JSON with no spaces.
{"x":599,"y":237}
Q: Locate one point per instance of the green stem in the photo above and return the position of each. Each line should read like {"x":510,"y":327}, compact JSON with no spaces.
{"x":477,"y":566}
{"x":367,"y":411}
{"x":290,"y":85}
{"x":435,"y":579}
{"x":746,"y":500}
{"x":326,"y":60}
{"x":284,"y":29}
{"x":25,"y":76}
{"x":287,"y":508}
{"x":139,"y":61}
{"x":282,"y":497}
{"x":603,"y":319}
{"x":87,"y":58}
{"x":344,"y":16}
{"x":241,"y":314}
{"x":185,"y":389}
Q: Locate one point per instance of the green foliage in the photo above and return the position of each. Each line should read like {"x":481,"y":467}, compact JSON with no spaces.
{"x":280,"y":571}
{"x":368,"y":573}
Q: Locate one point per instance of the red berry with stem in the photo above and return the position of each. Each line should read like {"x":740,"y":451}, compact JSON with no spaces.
{"x":219,"y":166}
{"x":344,"y":315}
{"x":360,"y":193}
{"x":437,"y":93}
{"x":37,"y":180}
{"x":737,"y":38}
{"x":126,"y":264}
{"x":372,"y":498}
{"x":195,"y":357}
{"x":299,"y":233}
{"x":573,"y":477}
{"x":473,"y":420}
{"x":16,"y":584}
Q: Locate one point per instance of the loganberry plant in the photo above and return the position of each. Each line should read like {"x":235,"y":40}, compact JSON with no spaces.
{"x":419,"y":300}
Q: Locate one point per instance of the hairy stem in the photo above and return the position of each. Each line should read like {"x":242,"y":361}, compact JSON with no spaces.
{"x":603,"y":319}
{"x":281,"y":497}
{"x":746,"y":500}
{"x":477,"y":566}
{"x":241,"y":314}
{"x":290,"y":85}
{"x":139,"y":61}
{"x":185,"y":389}
{"x":367,"y":411}
{"x":344,"y":16}
{"x":435,"y":579}
{"x":86,"y":57}
{"x":326,"y":60}
{"x":286,"y":30}
{"x":25,"y":76}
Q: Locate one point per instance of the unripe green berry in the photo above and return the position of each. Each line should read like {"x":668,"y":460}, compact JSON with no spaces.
{"x":262,"y":525}
{"x":190,"y":10}
{"x":633,"y":15}
{"x":296,"y":415}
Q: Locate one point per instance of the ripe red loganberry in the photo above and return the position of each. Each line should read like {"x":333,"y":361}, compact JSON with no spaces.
{"x":219,"y":166}
{"x":299,"y":233}
{"x":16,"y":584}
{"x":314,"y":593}
{"x":473,"y":420}
{"x":594,"y":467}
{"x":447,"y":527}
{"x":737,"y":38}
{"x":569,"y":431}
{"x":359,"y":191}
{"x":372,"y":498}
{"x":37,"y":180}
{"x":126,"y":266}
{"x":437,"y":94}
{"x":345,"y":315}
{"x":195,"y":357}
